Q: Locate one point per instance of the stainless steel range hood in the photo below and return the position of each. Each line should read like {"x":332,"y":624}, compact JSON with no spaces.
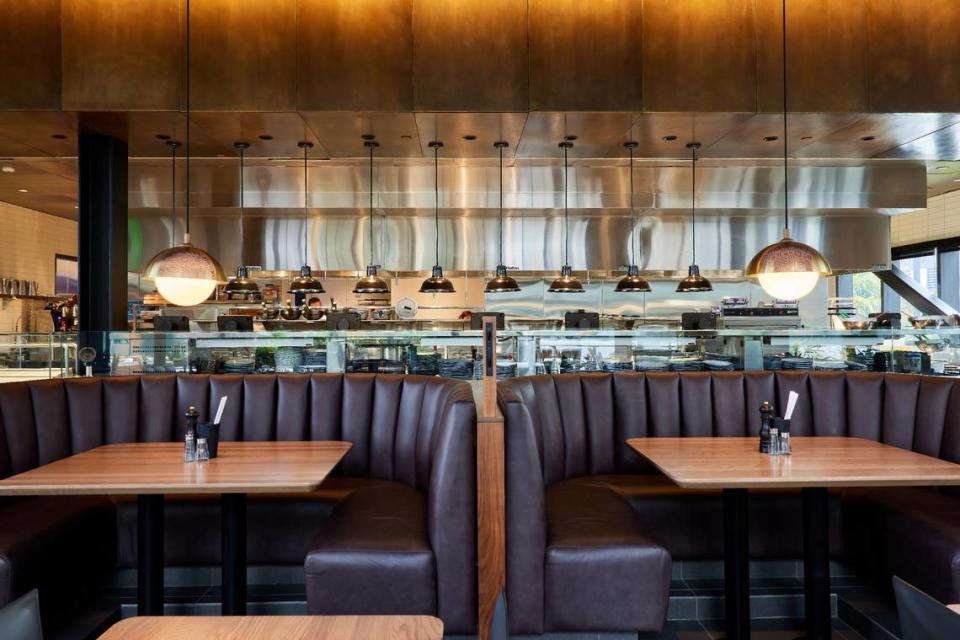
{"x":841,"y":207}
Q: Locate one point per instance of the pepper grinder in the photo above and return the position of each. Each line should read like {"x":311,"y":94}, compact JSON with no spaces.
{"x":766,"y":420}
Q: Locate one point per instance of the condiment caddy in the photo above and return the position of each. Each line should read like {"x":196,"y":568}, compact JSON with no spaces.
{"x":775,"y":431}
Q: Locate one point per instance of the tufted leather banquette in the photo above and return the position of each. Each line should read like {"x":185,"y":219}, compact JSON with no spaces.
{"x":592,"y":528}
{"x":393,"y":532}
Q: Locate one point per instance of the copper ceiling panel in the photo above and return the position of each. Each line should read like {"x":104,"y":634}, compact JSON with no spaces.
{"x":270,"y":134}
{"x":875,"y":134}
{"x":39,"y":185}
{"x":747,"y":140}
{"x":340,"y":132}
{"x":453,"y":129}
{"x":30,"y":133}
{"x":597,"y":132}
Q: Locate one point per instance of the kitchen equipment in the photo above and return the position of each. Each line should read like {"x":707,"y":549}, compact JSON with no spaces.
{"x":268,"y":313}
{"x":406,"y":308}
{"x":313,"y":313}
{"x":886,"y":320}
{"x":290,"y":313}
{"x":581,"y":319}
{"x":234,"y":323}
{"x":343,"y":320}
{"x":698,"y":321}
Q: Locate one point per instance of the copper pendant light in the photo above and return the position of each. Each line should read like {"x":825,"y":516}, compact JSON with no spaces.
{"x":436,"y":283}
{"x":372,"y":282}
{"x":566,"y":283}
{"x":694,"y":282}
{"x":502,"y":283}
{"x":241,"y":285}
{"x":185,"y":275}
{"x":305,"y":282}
{"x":632,"y":282}
{"x":787,"y":270}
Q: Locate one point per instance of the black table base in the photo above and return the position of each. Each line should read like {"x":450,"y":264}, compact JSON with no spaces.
{"x":736,"y":564}
{"x":233,"y":539}
{"x":150,"y":555}
{"x":816,"y":563}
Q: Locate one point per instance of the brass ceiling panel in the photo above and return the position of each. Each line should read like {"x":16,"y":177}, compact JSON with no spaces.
{"x":665,"y":135}
{"x":586,"y":55}
{"x":804,"y":129}
{"x":355,"y":55}
{"x":485,"y":128}
{"x":243,"y":55}
{"x":140,"y":130}
{"x":597,"y":133}
{"x":340,"y":132}
{"x":32,"y":132}
{"x":120,"y":55}
{"x":30,"y":54}
{"x":470,"y":53}
{"x":914,"y":55}
{"x":827,"y":56}
{"x":700,"y":55}
{"x":283,"y":129}
{"x":50,"y":185}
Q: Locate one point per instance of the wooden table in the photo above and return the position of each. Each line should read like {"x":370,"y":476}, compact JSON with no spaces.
{"x":735,"y":466}
{"x":278,"y":628}
{"x":152,"y":470}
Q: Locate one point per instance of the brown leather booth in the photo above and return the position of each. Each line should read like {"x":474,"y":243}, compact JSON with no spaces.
{"x":591,"y":528}
{"x":393,"y":532}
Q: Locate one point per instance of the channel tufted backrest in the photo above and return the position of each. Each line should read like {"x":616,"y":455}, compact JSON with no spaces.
{"x":393,"y":421}
{"x":580,"y":421}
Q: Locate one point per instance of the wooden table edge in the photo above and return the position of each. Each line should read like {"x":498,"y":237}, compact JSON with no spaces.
{"x":119,"y":629}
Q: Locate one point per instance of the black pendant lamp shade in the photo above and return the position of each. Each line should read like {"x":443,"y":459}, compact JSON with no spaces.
{"x":566,"y":283}
{"x":372,"y":282}
{"x":305,"y":282}
{"x":436,"y":283}
{"x":241,"y":285}
{"x":694,"y":282}
{"x":502,"y":283}
{"x":632,"y":282}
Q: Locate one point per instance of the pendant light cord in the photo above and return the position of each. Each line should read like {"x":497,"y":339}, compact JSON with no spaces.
{"x":242,"y":149}
{"x":186,"y":177}
{"x":693,"y":199}
{"x":436,"y":199}
{"x":370,"y":147}
{"x":500,"y":251}
{"x":566,"y":208}
{"x":633,"y":214}
{"x":306,"y":231}
{"x":173,"y":186}
{"x":786,"y":184}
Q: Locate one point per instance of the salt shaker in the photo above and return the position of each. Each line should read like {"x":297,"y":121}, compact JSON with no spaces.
{"x":774,"y":441}
{"x":203,"y":451}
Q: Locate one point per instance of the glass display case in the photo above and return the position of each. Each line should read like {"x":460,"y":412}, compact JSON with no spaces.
{"x":37,"y":356}
{"x":455,"y":354}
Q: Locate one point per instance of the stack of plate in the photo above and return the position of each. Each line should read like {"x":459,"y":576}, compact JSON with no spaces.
{"x":718,"y":365}
{"x":423,"y":365}
{"x":829,"y":365}
{"x":797,"y":364}
{"x":244,"y":364}
{"x":951,"y":369}
{"x":314,"y":361}
{"x":456,"y":368}
{"x":686,"y":364}
{"x":617,"y":365}
{"x":288,"y":359}
{"x":375,"y":365}
{"x":652,"y":363}
{"x":772,"y":363}
{"x":506,"y":369}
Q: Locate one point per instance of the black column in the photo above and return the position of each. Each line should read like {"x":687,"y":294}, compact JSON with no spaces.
{"x":736,"y":564}
{"x":102,"y":242}
{"x":816,"y":563}
{"x":150,"y":555}
{"x":233,"y":545}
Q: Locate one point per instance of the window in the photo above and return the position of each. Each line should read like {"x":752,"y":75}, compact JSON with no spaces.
{"x":923,"y":269}
{"x":866,"y":293}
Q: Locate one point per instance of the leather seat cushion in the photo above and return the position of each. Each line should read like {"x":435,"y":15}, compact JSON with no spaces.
{"x":56,"y":544}
{"x":916,"y":531}
{"x":689,"y":522}
{"x":597,"y":549}
{"x":373,"y":556}
{"x":280,"y":528}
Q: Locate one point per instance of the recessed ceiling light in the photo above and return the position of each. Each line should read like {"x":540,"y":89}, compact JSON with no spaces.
{"x":162,"y":136}
{"x":569,"y":138}
{"x":8,"y":168}
{"x":868,"y":138}
{"x":469,"y":137}
{"x":265,"y":137}
{"x":23,"y":190}
{"x":806,"y":137}
{"x":406,"y":137}
{"x":770,"y":138}
{"x":59,"y":136}
{"x":668,"y":138}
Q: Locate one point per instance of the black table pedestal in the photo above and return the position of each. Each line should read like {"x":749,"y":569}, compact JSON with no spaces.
{"x":233,"y":536}
{"x":150,"y":555}
{"x":816,"y":563}
{"x":736,"y":564}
